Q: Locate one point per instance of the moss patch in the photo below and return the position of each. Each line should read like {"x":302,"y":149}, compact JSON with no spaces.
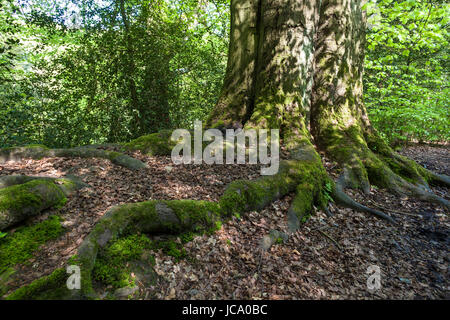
{"x":51,"y":287}
{"x":171,"y":248}
{"x":112,"y":265}
{"x":242,"y":196}
{"x":19,"y":246}
{"x":155,"y":144}
{"x":27,"y":196}
{"x":22,"y":201}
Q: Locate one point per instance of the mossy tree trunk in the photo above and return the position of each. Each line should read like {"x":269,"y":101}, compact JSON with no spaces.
{"x":298,"y":66}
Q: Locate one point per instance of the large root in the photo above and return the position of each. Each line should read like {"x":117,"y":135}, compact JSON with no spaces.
{"x":366,"y":159}
{"x":342,"y":198}
{"x":303,"y":174}
{"x":22,"y":197}
{"x":39,"y":152}
{"x":152,"y":217}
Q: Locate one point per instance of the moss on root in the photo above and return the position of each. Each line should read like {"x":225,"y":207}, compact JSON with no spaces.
{"x":171,"y":217}
{"x":51,"y":287}
{"x":19,"y":246}
{"x":38,"y":152}
{"x":112,"y":265}
{"x":242,"y":195}
{"x":155,"y":144}
{"x":21,"y":201}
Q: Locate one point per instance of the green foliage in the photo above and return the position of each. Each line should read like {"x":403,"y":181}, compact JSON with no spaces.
{"x":406,"y":69}
{"x":19,"y":246}
{"x":9,"y":40}
{"x":94,"y":73}
{"x":327,"y":191}
{"x":76,"y":73}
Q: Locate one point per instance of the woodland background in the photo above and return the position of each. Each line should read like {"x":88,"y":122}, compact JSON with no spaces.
{"x":76,"y":72}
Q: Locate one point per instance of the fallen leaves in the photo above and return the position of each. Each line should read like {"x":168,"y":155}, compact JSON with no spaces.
{"x":228,"y":265}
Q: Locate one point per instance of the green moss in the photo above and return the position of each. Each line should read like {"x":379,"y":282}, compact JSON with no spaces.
{"x":153,"y":144}
{"x":342,"y":144}
{"x":6,"y":278}
{"x":378,"y":172}
{"x":111,"y":266}
{"x":187,"y":237}
{"x":112,"y":155}
{"x":406,"y":172}
{"x":18,"y":197}
{"x":242,"y":195}
{"x":52,"y":287}
{"x":25,"y":196}
{"x":194,"y":212}
{"x":19,"y":246}
{"x":171,"y":248}
{"x":378,"y":145}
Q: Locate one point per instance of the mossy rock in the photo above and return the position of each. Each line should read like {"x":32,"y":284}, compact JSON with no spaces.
{"x":69,"y":184}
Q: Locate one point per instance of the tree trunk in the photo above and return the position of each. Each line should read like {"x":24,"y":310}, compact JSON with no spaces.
{"x":130,"y":73}
{"x":298,"y":66}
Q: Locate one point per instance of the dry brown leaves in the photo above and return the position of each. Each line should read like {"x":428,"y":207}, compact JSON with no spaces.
{"x":326,"y":259}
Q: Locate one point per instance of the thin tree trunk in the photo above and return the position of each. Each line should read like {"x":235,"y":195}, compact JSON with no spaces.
{"x":130,"y":71}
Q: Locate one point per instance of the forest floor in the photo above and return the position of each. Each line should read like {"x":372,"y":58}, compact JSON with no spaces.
{"x":327,"y":258}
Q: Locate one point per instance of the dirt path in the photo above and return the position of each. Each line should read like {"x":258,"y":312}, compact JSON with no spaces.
{"x":326,"y":259}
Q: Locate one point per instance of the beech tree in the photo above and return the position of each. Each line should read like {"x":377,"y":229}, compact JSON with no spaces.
{"x":298,"y":66}
{"x":293,"y":65}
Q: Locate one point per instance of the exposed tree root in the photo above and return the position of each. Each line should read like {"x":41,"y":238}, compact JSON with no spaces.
{"x":366,"y":159}
{"x":304,"y":174}
{"x":151,"y":217}
{"x":173,"y":217}
{"x":342,"y":198}
{"x":28,"y":196}
{"x":38,"y":152}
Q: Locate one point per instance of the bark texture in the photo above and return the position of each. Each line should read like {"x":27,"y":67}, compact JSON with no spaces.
{"x":297,"y":66}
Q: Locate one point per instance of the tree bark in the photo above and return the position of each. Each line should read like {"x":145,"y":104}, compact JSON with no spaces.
{"x":297,"y":66}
